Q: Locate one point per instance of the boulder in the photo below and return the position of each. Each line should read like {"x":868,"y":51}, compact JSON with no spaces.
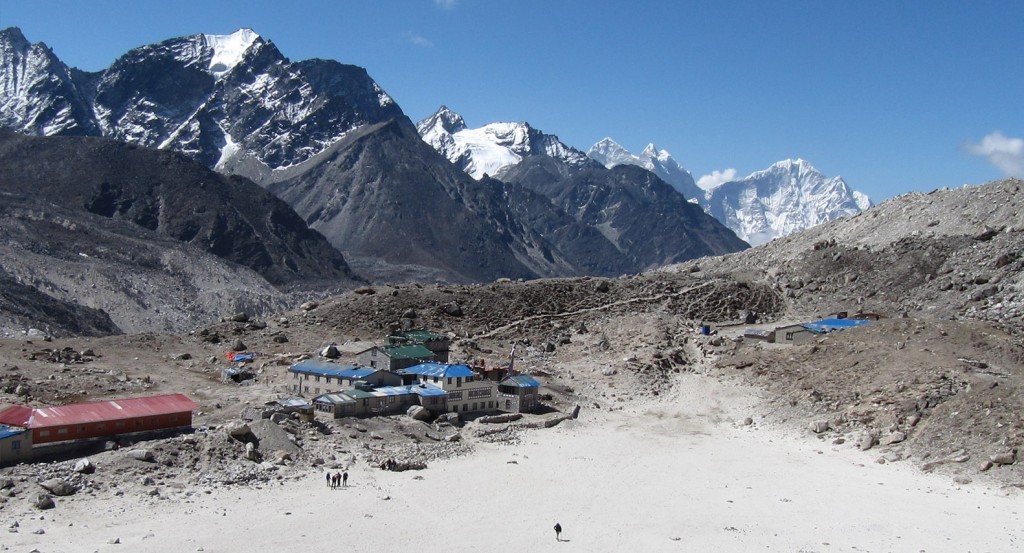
{"x":819,"y":426}
{"x":43,"y":501}
{"x":447,"y":418}
{"x":237,"y":429}
{"x":309,"y":306}
{"x":141,"y":455}
{"x":250,"y":452}
{"x":85,"y":466}
{"x":1004,"y":458}
{"x":279,"y":418}
{"x":59,"y":487}
{"x":453,"y":309}
{"x":281,"y":457}
{"x":894,"y":438}
{"x":418,"y":412}
{"x":866,"y":441}
{"x":330,"y":352}
{"x":240,"y":317}
{"x":239,"y":345}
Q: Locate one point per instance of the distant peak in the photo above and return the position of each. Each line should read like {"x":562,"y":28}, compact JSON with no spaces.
{"x":605,"y":142}
{"x":228,"y":50}
{"x":445,"y":118}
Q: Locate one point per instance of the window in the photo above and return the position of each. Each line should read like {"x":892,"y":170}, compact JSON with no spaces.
{"x":318,"y":378}
{"x":789,"y":335}
{"x":458,"y":382}
{"x":16,"y":444}
{"x":62,"y":431}
{"x":44,"y":433}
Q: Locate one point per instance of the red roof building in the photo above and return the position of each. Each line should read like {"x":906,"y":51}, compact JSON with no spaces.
{"x":15,"y":415}
{"x":110,"y":418}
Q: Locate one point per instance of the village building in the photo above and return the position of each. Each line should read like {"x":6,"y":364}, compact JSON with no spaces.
{"x":805,"y":332}
{"x":395,"y":358}
{"x":518,"y":394}
{"x":295,"y":405}
{"x":104,"y":419}
{"x":759,"y":334}
{"x":15,"y":445}
{"x":794,"y":334}
{"x":466,"y":390}
{"x":386,"y":400}
{"x":318,"y":377}
{"x":438,"y":344}
{"x":15,"y":415}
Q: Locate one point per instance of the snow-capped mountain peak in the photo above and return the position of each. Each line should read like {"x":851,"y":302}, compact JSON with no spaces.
{"x":228,"y":50}
{"x":443,"y":121}
{"x":608,"y":153}
{"x":490,"y":149}
{"x":787,"y":197}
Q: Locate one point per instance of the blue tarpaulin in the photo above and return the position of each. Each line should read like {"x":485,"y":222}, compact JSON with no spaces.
{"x":828,"y":325}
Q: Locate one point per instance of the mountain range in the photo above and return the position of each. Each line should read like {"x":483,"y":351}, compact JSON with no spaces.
{"x":328,"y":140}
{"x":788,"y":197}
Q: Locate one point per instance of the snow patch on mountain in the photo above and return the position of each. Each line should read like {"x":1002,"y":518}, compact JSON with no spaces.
{"x":228,"y":50}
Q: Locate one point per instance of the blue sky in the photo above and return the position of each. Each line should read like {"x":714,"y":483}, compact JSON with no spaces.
{"x":893,"y":96}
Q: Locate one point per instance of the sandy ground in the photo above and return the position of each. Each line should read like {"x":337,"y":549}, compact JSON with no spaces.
{"x":675,"y":476}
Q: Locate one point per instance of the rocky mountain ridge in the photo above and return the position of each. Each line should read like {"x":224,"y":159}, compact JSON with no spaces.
{"x":325,"y":137}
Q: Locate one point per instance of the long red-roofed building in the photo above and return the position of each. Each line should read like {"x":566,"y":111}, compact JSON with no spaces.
{"x":81,"y":421}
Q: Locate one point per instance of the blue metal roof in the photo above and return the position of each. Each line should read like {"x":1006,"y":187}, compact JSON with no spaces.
{"x":521,"y":381}
{"x":828,"y":325}
{"x":442,"y":370}
{"x":7,"y":431}
{"x":324,"y":368}
{"x":424,"y":389}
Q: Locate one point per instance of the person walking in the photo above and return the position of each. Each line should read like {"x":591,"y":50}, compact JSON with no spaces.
{"x":344,"y":479}
{"x":558,"y":532}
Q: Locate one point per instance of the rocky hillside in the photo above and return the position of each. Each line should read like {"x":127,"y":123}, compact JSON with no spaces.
{"x":77,"y":205}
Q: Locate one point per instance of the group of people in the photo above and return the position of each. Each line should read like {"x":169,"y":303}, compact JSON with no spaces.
{"x":337,"y":479}
{"x":389,"y":464}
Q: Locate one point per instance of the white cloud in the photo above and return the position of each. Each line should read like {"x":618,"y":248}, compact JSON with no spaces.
{"x":1000,"y":150}
{"x":445,"y":4}
{"x":707,"y":182}
{"x":419,"y":40}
